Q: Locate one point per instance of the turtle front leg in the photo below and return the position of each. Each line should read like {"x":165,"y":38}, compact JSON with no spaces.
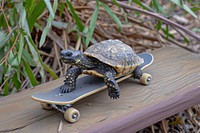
{"x":70,"y":81}
{"x":113,"y":87}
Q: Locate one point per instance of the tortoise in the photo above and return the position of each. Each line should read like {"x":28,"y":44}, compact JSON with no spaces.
{"x":109,"y":59}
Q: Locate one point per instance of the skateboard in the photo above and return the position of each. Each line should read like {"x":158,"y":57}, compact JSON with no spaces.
{"x":85,"y":86}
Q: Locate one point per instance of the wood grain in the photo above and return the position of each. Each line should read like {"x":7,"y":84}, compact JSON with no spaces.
{"x":175,"y":87}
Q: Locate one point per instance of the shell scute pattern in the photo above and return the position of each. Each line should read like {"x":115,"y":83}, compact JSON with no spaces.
{"x":116,"y":54}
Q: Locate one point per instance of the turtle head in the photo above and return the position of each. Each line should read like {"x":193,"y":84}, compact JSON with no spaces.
{"x":71,"y":56}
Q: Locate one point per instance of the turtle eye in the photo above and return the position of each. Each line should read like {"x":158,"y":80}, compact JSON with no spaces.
{"x":66,"y":53}
{"x":69,"y":54}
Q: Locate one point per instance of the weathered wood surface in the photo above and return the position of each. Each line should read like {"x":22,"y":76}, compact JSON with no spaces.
{"x":175,"y":87}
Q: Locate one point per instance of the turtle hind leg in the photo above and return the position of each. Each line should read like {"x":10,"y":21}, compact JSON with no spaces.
{"x":144,"y":78}
{"x":113,"y":87}
{"x":70,"y":81}
{"x":137,"y":73}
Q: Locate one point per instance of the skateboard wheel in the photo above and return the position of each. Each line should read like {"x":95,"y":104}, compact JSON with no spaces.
{"x":46,"y":106}
{"x":72,"y":115}
{"x":145,"y":79}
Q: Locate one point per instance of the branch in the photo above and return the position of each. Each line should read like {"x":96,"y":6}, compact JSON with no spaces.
{"x":157,"y":16}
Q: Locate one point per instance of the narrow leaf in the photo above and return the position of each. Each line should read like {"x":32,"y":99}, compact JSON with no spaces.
{"x":117,"y":4}
{"x":48,"y":26}
{"x":48,"y":4}
{"x":51,"y":72}
{"x":75,"y":16}
{"x":112,"y":14}
{"x":30,"y":74}
{"x":16,"y":81}
{"x":185,"y":7}
{"x":62,"y":7}
{"x":159,"y":25}
{"x":138,"y":2}
{"x":159,"y":7}
{"x":13,"y":60}
{"x":40,"y":62}
{"x":22,"y":20}
{"x":167,"y":33}
{"x":27,"y":57}
{"x":5,"y":38}
{"x":30,"y":4}
{"x":21,"y":45}
{"x":38,"y":10}
{"x":92,"y":24}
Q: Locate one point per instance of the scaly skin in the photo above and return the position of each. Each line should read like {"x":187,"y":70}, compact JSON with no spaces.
{"x":82,"y":63}
{"x":70,"y":80}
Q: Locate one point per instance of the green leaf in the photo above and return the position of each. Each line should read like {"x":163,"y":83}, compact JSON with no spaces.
{"x":166,"y":31}
{"x":143,"y":5}
{"x":112,"y":14}
{"x":5,"y":38}
{"x":30,"y":74}
{"x":186,"y":40}
{"x":29,"y":5}
{"x":2,"y":21}
{"x":37,"y":11}
{"x":40,"y":62}
{"x":184,"y":6}
{"x":195,"y":9}
{"x":48,"y":26}
{"x":117,"y":4}
{"x":26,"y":56}
{"x":33,"y":49}
{"x":188,"y":1}
{"x":51,"y":72}
{"x":22,"y":20}
{"x":12,"y":60}
{"x":51,"y":10}
{"x":75,"y":16}
{"x":92,"y":24}
{"x":62,"y":7}
{"x":16,"y":81}
{"x":13,"y":18}
{"x":159,"y":25}
{"x":59,"y":24}
{"x":159,"y":7}
{"x":196,"y":30}
{"x":21,"y":45}
{"x":195,"y":3}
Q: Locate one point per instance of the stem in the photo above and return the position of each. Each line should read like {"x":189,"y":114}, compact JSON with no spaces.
{"x":2,"y":10}
{"x":7,"y":54}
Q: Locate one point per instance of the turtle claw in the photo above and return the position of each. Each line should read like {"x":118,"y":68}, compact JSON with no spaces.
{"x":114,"y":94}
{"x":66,"y":88}
{"x":113,"y":90}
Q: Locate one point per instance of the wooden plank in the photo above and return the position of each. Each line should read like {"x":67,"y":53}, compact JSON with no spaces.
{"x":175,"y":86}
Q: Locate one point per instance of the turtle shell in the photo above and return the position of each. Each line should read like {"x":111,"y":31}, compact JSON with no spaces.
{"x":115,"y":53}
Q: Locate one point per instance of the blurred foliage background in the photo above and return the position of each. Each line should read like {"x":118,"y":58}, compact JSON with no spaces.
{"x":33,"y":32}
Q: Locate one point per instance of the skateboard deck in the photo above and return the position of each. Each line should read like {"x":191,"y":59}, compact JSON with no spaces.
{"x":85,"y":86}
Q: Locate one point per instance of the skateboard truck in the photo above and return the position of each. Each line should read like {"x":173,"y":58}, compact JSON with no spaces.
{"x":70,"y":114}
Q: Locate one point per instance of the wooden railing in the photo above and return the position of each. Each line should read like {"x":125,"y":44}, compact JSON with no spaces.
{"x":175,"y":87}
